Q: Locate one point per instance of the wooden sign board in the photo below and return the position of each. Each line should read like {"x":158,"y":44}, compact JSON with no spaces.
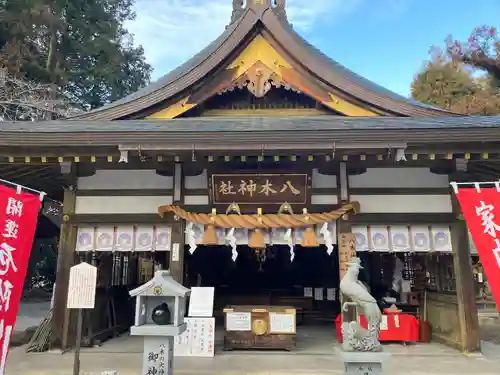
{"x":82,"y":286}
{"x":259,"y":188}
{"x":347,"y":251}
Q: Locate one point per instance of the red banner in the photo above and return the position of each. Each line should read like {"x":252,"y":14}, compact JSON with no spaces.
{"x":481,"y":210}
{"x":18,"y":219}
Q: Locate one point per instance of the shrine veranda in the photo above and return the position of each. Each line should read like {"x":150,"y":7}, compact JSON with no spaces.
{"x":255,"y":130}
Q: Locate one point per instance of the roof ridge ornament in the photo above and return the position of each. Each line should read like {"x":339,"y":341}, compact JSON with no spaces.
{"x":280,"y":10}
{"x":259,"y":7}
{"x":237,"y":10}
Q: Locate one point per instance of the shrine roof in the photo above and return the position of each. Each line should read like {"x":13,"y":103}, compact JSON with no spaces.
{"x":253,"y":129}
{"x":252,"y":124}
{"x":248,"y":24}
{"x":354,"y":82}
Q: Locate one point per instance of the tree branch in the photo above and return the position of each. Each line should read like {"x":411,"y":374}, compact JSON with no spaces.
{"x":30,"y":101}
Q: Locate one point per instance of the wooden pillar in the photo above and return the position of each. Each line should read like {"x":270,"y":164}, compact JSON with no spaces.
{"x":65,"y":259}
{"x":178,"y":226}
{"x":466,"y":294}
{"x":344,"y":226}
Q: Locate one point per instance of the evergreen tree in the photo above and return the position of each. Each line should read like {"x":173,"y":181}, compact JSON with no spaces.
{"x":79,"y":46}
{"x":448,"y":84}
{"x":442,"y":83}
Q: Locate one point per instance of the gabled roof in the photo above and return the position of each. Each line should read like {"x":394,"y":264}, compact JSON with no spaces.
{"x":329,"y":72}
{"x":161,"y":284}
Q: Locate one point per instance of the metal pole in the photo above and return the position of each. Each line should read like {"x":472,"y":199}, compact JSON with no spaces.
{"x":79,"y":324}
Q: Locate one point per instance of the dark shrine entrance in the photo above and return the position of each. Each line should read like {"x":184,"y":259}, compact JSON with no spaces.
{"x":269,"y":278}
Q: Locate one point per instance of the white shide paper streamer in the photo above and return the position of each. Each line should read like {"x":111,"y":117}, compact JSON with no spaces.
{"x":191,"y":237}
{"x":289,"y":240}
{"x":327,"y":235}
{"x":232,"y":242}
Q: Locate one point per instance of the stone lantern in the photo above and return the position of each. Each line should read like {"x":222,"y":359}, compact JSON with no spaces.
{"x":159,"y":317}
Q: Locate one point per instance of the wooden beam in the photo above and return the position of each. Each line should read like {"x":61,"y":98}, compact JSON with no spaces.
{"x":125,"y":192}
{"x":402,"y":218}
{"x":400,"y":191}
{"x":93,"y":219}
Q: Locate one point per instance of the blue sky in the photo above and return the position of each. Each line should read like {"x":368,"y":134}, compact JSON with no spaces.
{"x":385,"y":41}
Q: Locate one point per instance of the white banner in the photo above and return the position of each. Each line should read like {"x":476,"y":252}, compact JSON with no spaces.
{"x":441,"y":239}
{"x":124,"y":238}
{"x":85,"y":239}
{"x":241,"y":235}
{"x":400,"y":238}
{"x":362,"y":238}
{"x":420,"y":239}
{"x":298,"y":235}
{"x":144,"y":235}
{"x":379,"y":238}
{"x":105,"y":238}
{"x":163,"y":238}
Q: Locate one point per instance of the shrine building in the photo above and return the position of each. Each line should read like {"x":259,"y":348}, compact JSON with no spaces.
{"x":250,"y":168}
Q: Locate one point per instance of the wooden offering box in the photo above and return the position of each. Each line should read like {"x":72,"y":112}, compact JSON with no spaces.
{"x":259,"y":327}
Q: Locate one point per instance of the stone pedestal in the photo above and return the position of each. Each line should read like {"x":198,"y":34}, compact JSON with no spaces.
{"x":158,"y":355}
{"x":364,"y":363}
{"x":162,"y":289}
{"x":158,"y":352}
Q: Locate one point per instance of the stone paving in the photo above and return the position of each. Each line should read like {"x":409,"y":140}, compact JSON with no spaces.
{"x":428,"y":359}
{"x":490,"y":327}
{"x":315,"y":355}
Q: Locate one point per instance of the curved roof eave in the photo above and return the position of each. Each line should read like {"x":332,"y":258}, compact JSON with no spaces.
{"x":181,"y":77}
{"x":337,"y":75}
{"x":325,"y":68}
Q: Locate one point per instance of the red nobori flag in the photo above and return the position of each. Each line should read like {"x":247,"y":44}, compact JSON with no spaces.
{"x":481,"y":210}
{"x":18,"y":219}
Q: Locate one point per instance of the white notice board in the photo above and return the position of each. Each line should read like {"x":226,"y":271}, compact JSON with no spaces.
{"x":198,"y":340}
{"x":281,"y":323}
{"x":238,"y":321}
{"x":201,"y":302}
{"x":82,"y":286}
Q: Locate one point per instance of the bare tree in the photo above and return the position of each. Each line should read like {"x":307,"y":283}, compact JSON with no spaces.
{"x":30,"y":101}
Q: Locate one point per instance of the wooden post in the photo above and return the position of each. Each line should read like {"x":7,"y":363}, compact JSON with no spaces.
{"x":65,"y":259}
{"x":79,"y":327}
{"x":177,"y":254}
{"x":344,"y":227}
{"x":178,"y":227}
{"x":466,"y":294}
